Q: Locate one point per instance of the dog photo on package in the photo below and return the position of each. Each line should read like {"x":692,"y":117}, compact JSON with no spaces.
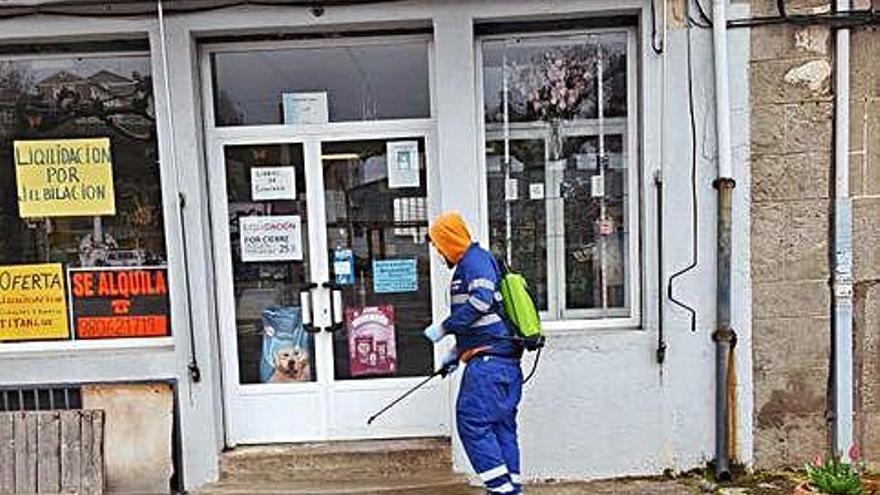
{"x":287,"y":347}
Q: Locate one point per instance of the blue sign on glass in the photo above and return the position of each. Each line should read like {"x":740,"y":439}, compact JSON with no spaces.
{"x":343,"y":266}
{"x":395,"y":275}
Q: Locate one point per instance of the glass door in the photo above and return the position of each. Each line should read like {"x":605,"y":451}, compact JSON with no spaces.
{"x":263,"y":226}
{"x":324,"y":286}
{"x":376,"y":213}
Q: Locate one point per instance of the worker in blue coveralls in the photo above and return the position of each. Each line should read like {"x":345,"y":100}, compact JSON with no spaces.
{"x":492,"y":383}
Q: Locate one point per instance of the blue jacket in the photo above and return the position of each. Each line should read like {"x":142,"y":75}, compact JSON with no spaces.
{"x":476,"y":310}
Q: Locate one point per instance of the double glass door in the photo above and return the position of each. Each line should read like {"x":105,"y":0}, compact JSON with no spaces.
{"x":324,"y":284}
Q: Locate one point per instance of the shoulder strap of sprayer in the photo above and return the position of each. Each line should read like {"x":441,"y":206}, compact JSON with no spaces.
{"x":500,"y":311}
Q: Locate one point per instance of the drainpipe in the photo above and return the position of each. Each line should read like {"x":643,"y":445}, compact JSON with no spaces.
{"x":724,"y":336}
{"x":842,"y":351}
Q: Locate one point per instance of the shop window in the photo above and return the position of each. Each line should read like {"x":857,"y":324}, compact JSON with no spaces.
{"x":321,"y":83}
{"x":82,"y":254}
{"x":561,"y":173}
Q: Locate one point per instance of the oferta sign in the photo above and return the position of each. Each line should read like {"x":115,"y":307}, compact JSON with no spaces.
{"x":63,"y":178}
{"x":32,"y":302}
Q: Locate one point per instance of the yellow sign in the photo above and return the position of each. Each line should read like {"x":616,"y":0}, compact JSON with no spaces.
{"x":32,"y":302}
{"x":64,"y":178}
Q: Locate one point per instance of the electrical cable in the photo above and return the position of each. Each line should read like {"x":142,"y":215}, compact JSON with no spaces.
{"x":699,"y":24}
{"x":138,"y":8}
{"x":534,"y":366}
{"x":694,"y":200}
{"x":706,"y":19}
{"x":657,"y":49}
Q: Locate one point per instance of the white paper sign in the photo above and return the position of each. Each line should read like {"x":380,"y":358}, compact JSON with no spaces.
{"x":536,"y":191}
{"x":403,"y":164}
{"x":511,"y":190}
{"x":271,"y":238}
{"x":273,"y":183}
{"x":597,"y":186}
{"x":305,"y":108}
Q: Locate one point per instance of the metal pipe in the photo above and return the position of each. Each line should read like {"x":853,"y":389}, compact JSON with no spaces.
{"x":842,"y":367}
{"x":724,"y":336}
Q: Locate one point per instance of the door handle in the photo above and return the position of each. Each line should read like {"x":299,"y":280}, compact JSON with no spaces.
{"x":336,"y":309}
{"x":305,"y":304}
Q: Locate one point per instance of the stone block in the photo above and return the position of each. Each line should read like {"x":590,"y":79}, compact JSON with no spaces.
{"x":790,"y":80}
{"x":767,"y":129}
{"x":767,"y":241}
{"x":857,"y":165}
{"x":789,"y":42}
{"x":792,"y":444}
{"x":806,"y":255}
{"x":769,"y":350}
{"x":768,"y":172}
{"x":871,"y":168}
{"x":768,"y":7}
{"x":867,"y":346}
{"x":763,"y":7}
{"x":858,"y":108}
{"x":808,"y":175}
{"x":791,"y":299}
{"x":773,"y":42}
{"x":808,"y":127}
{"x":871,"y":441}
{"x":810,"y":342}
{"x":791,"y":177}
{"x":864,"y":63}
{"x":866,"y":238}
{"x":790,"y":346}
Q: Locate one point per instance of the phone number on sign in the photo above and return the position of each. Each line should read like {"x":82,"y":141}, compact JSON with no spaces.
{"x":121,"y":326}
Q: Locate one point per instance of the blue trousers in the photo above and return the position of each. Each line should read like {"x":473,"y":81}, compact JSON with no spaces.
{"x":488,"y":400}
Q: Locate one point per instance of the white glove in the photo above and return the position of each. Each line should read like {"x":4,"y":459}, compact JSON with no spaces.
{"x":434,"y":333}
{"x":449,"y":363}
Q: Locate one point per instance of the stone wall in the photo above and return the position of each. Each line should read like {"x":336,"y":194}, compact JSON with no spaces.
{"x":791,"y":145}
{"x":865,"y":188}
{"x":792,"y":218}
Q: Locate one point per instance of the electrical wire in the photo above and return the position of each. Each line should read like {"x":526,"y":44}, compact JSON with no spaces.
{"x":140,"y":8}
{"x":658,"y":49}
{"x":706,"y":19}
{"x":695,"y":209}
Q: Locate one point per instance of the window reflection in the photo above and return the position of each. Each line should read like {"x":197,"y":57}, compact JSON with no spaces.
{"x":558,"y":174}
{"x":362,"y":82}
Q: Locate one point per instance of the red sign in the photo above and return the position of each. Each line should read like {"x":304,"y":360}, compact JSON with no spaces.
{"x":371,"y":340}
{"x":112,"y":303}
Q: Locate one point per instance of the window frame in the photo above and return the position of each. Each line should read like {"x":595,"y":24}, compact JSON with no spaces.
{"x":25,"y":348}
{"x":209,"y":48}
{"x":558,"y":317}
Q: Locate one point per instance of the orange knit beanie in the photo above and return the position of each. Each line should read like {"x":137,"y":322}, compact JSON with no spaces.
{"x":451,"y":236}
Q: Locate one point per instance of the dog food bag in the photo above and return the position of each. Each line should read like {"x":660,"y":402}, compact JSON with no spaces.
{"x":287,"y":347}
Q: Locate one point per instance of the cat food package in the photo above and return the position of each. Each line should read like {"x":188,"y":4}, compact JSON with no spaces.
{"x":287,"y":347}
{"x":371,"y":340}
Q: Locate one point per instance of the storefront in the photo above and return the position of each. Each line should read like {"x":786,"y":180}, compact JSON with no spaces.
{"x":233,"y":200}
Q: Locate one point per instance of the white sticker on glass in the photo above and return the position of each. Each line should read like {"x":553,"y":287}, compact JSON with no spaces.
{"x":273,"y":183}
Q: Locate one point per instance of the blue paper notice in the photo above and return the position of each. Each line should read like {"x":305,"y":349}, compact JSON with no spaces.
{"x":343,"y":266}
{"x":397,"y":275}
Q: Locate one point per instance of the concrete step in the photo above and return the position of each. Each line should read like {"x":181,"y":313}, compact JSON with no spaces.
{"x":374,"y":460}
{"x":416,"y":484}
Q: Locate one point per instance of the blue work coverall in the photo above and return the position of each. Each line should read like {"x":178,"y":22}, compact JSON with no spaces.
{"x":492,"y":383}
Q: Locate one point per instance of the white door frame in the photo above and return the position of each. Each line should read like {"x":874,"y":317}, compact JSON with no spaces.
{"x":328,"y":391}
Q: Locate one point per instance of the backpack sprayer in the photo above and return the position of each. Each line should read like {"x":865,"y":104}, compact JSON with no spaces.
{"x":519,"y":311}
